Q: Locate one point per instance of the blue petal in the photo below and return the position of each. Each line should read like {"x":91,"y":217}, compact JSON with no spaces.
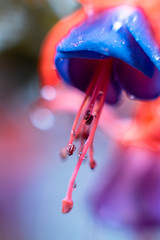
{"x":112,"y":33}
{"x":140,"y":30}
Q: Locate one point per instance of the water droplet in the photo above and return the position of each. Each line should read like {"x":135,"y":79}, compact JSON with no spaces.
{"x":79,"y":155}
{"x":42,"y":118}
{"x":105,"y":49}
{"x":48,"y":92}
{"x":74,"y":44}
{"x":80,"y":39}
{"x":130,"y":96}
{"x":73,"y":133}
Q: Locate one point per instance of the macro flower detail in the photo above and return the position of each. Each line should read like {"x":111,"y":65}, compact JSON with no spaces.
{"x":122,"y":33}
{"x":110,"y":51}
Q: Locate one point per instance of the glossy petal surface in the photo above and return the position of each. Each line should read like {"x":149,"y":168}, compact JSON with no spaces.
{"x":123,"y":34}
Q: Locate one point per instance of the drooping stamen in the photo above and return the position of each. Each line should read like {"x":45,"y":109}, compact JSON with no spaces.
{"x":95,"y":98}
{"x":88,"y":93}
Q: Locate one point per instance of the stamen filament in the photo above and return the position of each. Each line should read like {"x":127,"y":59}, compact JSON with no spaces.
{"x":87,"y":95}
{"x":102,"y":75}
{"x":98,"y":85}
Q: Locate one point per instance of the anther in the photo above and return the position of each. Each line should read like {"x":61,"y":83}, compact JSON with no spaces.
{"x":87,"y":114}
{"x":67,"y":205}
{"x":92,"y":164}
{"x":70,"y":149}
{"x":89,"y":120}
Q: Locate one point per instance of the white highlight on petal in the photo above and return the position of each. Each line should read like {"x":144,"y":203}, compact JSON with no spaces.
{"x":117,"y":25}
{"x":125,"y":12}
{"x":157,"y":57}
{"x":134,"y":19}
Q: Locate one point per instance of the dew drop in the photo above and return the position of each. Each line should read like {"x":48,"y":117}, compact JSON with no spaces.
{"x":130,"y":96}
{"x":105,"y":49}
{"x":73,"y":133}
{"x":79,"y":155}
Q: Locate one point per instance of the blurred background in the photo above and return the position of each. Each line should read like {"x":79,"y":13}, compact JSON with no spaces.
{"x":33,"y":178}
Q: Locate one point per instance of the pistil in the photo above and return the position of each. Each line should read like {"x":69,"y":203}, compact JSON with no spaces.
{"x":87,"y":118}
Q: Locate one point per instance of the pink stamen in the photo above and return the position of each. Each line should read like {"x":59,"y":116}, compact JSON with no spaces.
{"x":88,"y":93}
{"x":95,"y":97}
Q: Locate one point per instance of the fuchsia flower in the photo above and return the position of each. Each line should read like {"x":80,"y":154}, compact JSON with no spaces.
{"x":102,"y":50}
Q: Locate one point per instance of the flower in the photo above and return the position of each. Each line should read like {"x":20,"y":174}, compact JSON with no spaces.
{"x":102,"y":51}
{"x":122,"y":33}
